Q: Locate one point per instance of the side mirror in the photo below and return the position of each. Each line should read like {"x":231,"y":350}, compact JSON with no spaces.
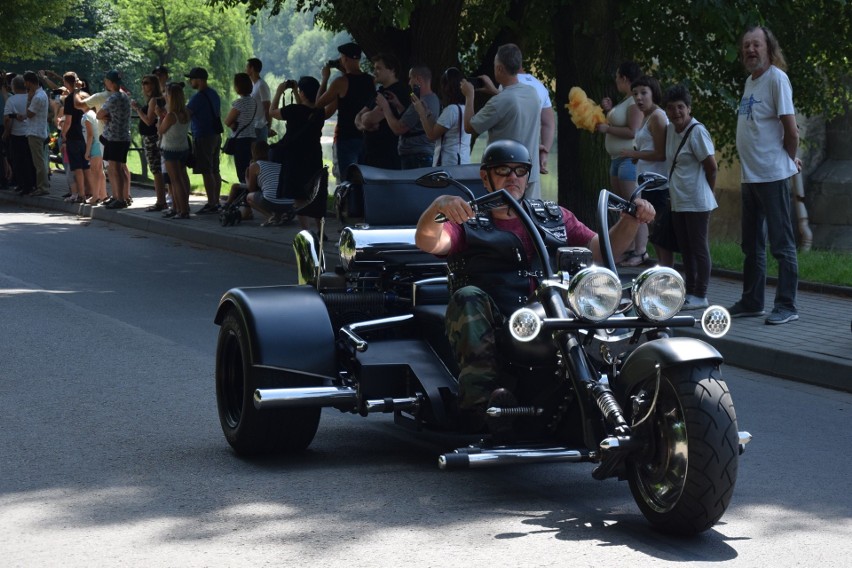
{"x":652,"y":180}
{"x":436,"y":179}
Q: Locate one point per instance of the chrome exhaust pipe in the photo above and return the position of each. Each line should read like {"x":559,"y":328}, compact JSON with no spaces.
{"x":304,"y":396}
{"x":745,"y":438}
{"x":467,"y":458}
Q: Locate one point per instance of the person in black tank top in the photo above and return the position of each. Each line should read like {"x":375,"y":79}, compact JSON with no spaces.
{"x":347,"y":94}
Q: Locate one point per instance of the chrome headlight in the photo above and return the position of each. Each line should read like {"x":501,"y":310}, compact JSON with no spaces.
{"x":524,"y":325}
{"x":594,"y":293}
{"x":658,"y":293}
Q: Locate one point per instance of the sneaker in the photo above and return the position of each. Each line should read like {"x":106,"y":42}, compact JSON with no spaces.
{"x":781,"y":315}
{"x":169,"y":213}
{"x":38,"y":192}
{"x":740,"y":311}
{"x":694,"y":303}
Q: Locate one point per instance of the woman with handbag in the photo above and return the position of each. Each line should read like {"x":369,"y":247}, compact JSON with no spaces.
{"x":453,"y":145}
{"x":692,"y":178}
{"x":240,"y":120}
{"x":174,"y":143}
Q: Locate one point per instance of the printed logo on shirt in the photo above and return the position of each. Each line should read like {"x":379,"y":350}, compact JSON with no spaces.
{"x":746,"y":105}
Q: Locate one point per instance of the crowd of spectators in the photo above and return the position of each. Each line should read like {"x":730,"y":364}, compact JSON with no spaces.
{"x":385,"y":122}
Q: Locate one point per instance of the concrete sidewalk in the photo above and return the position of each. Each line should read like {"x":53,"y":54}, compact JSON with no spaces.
{"x":817,"y":349}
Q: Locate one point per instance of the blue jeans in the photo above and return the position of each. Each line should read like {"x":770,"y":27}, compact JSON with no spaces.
{"x":348,"y":152}
{"x":412,"y":161}
{"x":766,"y":208}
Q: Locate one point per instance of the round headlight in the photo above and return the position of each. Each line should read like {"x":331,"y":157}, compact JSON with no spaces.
{"x":594,"y":293}
{"x":524,"y":325}
{"x":658,"y":293}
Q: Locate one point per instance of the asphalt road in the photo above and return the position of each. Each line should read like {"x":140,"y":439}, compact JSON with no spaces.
{"x":112,"y":453}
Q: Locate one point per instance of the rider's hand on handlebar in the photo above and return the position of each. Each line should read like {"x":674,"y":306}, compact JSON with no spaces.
{"x":645,"y":212}
{"x":454,"y":208}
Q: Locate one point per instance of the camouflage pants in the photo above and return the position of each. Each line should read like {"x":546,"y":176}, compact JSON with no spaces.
{"x":472,"y":317}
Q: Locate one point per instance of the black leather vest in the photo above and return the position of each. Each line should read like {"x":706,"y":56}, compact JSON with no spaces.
{"x":495,"y":260}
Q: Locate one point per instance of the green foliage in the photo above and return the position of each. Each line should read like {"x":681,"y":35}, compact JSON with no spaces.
{"x":187,"y":34}
{"x":92,"y":43}
{"x":822,"y":266}
{"x":291,"y":45}
{"x":26,"y":27}
{"x":697,"y":43}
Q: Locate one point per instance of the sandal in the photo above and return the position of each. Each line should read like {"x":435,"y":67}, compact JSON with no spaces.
{"x":635,"y":260}
{"x":156,"y":207}
{"x":273,"y":221}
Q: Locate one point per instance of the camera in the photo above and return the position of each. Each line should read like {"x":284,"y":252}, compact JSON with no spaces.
{"x":57,"y":93}
{"x":290,"y":84}
{"x":415,"y":90}
{"x":333,"y":64}
{"x":476,"y":82}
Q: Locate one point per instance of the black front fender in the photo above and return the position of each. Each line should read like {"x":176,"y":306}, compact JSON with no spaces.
{"x":667,"y":352}
{"x":288,"y":327}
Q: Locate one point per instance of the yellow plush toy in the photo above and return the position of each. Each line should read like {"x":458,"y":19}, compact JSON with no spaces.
{"x":584,"y":112}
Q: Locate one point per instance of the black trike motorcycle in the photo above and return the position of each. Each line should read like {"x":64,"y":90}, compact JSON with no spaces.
{"x":601,"y":377}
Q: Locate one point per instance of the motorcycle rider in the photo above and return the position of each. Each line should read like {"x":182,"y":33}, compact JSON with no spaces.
{"x":489,"y":257}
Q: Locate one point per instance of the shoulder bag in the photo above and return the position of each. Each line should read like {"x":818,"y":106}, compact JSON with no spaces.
{"x":230,"y":144}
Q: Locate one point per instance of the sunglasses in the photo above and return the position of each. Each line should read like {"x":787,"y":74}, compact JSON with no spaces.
{"x":504,"y":171}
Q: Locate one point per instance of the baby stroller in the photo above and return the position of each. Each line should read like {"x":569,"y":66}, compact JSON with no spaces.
{"x":232,"y":213}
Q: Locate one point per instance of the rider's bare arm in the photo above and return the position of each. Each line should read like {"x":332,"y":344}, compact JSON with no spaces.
{"x":622,"y":233}
{"x":430,"y":235}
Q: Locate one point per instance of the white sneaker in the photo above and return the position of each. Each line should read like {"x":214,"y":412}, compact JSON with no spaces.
{"x":694,"y":303}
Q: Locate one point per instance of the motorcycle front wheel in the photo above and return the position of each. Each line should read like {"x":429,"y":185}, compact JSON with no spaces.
{"x":684,"y":477}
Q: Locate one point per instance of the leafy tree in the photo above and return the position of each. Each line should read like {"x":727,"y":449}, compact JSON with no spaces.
{"x":582,"y":43}
{"x":92,"y":43}
{"x":187,"y":34}
{"x":26,"y":27}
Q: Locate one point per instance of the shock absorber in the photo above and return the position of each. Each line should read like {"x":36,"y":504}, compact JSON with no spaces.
{"x":610,"y":408}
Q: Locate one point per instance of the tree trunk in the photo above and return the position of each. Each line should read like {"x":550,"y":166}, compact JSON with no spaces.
{"x":587,"y":55}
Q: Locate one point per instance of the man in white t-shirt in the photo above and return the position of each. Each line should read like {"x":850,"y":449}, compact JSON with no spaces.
{"x":548,"y":118}
{"x":767,"y":141}
{"x":513,"y":114}
{"x":261,"y":94}
{"x":37,"y":131}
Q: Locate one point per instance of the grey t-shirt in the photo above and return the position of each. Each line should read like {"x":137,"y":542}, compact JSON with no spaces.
{"x":415,"y":140}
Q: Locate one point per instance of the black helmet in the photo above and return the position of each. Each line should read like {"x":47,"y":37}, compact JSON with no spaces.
{"x":505,"y":152}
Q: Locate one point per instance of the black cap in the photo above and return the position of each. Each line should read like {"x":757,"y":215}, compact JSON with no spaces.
{"x":197,"y":73}
{"x":162,"y":69}
{"x":352,"y":50}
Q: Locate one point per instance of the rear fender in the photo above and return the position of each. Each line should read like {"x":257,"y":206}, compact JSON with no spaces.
{"x":667,"y":352}
{"x":288,"y":327}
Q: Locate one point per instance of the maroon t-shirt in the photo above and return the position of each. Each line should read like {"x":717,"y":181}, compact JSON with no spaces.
{"x":578,"y":235}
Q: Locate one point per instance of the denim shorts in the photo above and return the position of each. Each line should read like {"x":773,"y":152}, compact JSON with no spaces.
{"x":175,"y":155}
{"x":623,"y":168}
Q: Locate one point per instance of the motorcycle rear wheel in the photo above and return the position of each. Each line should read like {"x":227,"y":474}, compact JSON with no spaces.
{"x":250,"y":431}
{"x":684,"y":479}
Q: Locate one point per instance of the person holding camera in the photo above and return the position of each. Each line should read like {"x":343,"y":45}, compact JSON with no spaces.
{"x":452,"y":142}
{"x":513,"y":114}
{"x":37,"y":132}
{"x":416,"y":150}
{"x":381,"y":145}
{"x":347,"y":94}
{"x":299,"y":151}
